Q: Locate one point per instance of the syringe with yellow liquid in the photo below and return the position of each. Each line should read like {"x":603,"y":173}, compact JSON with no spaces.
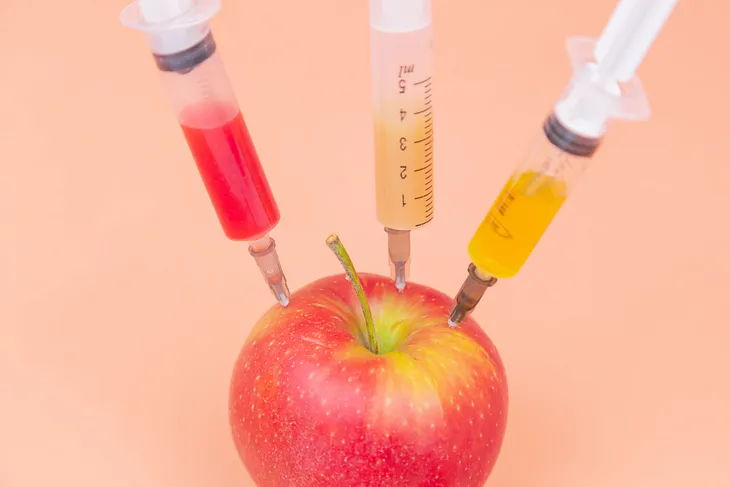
{"x":603,"y":87}
{"x":402,"y":90}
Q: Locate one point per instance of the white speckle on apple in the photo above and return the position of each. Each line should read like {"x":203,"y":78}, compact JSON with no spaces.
{"x":357,"y":390}
{"x":311,"y":376}
{"x":388,"y":400}
{"x":253,"y":406}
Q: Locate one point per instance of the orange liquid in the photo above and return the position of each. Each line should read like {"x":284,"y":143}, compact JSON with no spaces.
{"x":403,"y":126}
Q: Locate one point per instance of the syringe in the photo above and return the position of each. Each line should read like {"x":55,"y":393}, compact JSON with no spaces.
{"x":603,"y":87}
{"x":402,"y":89}
{"x":204,"y":102}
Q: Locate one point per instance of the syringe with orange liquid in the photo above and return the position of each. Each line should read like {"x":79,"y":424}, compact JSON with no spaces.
{"x":603,"y":87}
{"x":402,"y":89}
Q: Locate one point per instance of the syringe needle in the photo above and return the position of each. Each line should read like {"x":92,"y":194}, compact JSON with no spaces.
{"x":603,"y":87}
{"x":403,"y":102}
{"x":474,"y":287}
{"x":264,"y":253}
{"x":399,"y":253}
{"x":204,"y":101}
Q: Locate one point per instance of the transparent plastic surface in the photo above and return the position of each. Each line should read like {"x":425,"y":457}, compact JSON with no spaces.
{"x":403,"y":128}
{"x":267,"y":259}
{"x":400,"y":15}
{"x":207,"y":83}
{"x":206,"y":107}
{"x":524,"y":209}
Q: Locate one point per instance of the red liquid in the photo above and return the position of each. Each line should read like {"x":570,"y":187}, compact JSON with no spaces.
{"x":231,"y":170}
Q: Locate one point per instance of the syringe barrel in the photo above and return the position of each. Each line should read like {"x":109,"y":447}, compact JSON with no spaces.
{"x":530,"y":200}
{"x":205,"y":105}
{"x":402,"y":89}
{"x":196,"y":77}
{"x":224,"y":152}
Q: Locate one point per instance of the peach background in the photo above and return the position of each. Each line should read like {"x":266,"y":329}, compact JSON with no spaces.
{"x":122,"y":306}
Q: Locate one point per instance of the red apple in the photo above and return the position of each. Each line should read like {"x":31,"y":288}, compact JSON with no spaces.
{"x":311,"y":405}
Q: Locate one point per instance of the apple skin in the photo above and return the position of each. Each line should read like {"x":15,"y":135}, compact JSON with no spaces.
{"x":311,"y":406}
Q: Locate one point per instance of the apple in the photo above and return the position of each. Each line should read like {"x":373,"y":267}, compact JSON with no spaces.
{"x":355,"y":384}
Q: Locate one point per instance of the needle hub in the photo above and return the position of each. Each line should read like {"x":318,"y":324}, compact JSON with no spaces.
{"x":264,"y":253}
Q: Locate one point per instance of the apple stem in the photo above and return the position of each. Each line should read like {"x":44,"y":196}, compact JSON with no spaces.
{"x":335,"y":244}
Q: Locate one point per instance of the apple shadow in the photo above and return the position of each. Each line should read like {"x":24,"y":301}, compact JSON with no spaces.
{"x":544,"y":436}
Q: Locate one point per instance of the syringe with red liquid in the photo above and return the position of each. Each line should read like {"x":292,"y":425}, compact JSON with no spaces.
{"x":205,"y":104}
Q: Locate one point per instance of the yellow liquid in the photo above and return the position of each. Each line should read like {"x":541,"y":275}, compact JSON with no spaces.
{"x":516,"y":222}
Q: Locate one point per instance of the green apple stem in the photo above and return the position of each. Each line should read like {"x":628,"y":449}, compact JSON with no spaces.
{"x":335,"y":244}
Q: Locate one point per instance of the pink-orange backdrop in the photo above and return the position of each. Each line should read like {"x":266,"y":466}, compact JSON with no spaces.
{"x":122,"y":307}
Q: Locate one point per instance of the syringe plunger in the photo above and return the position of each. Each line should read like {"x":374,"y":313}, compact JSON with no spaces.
{"x":604,"y":86}
{"x":628,"y":35}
